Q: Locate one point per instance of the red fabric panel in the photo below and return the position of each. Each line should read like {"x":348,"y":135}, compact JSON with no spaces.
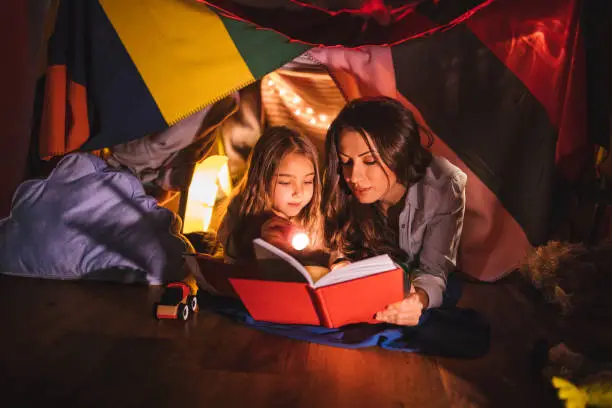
{"x":541,"y":43}
{"x":53,"y":123}
{"x":56,"y":136}
{"x":370,"y":25}
{"x":79,"y":131}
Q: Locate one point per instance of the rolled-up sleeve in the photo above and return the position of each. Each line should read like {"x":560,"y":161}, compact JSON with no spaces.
{"x":438,"y":256}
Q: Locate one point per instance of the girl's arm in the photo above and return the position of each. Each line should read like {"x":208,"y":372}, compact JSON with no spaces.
{"x":438,"y":256}
{"x":225,"y":231}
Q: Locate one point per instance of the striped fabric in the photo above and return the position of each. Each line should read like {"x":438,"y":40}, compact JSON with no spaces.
{"x":502,"y":92}
{"x":119,"y":70}
{"x":499,"y":84}
{"x":314,"y":25}
{"x":305,"y":101}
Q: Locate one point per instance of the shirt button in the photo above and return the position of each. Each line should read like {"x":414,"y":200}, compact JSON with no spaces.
{"x":403,"y":226}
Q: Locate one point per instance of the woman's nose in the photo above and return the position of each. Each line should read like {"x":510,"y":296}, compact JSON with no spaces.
{"x":356,"y":175}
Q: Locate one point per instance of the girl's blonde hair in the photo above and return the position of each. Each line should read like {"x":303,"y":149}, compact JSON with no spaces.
{"x":254,"y":194}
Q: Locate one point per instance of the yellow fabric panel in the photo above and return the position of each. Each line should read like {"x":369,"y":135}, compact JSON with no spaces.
{"x":182,"y":51}
{"x":601,"y":156}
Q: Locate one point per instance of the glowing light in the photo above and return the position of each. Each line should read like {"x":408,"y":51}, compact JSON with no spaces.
{"x":300,"y":241}
{"x":208,"y":176}
{"x":543,"y":40}
{"x":297,"y":105}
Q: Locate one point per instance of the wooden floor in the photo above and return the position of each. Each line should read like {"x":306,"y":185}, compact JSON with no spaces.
{"x":97,"y":345}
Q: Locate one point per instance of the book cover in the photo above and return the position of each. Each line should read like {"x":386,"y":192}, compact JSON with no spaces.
{"x":285,"y":292}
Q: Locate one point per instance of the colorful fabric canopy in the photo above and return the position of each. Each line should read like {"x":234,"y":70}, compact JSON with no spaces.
{"x":500,"y":85}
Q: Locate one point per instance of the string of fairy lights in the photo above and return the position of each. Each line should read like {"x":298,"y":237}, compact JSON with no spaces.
{"x":297,"y":105}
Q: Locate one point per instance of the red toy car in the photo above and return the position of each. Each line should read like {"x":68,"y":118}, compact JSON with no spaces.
{"x":177,"y":302}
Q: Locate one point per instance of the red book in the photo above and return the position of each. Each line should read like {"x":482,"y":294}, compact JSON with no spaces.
{"x":286,"y":292}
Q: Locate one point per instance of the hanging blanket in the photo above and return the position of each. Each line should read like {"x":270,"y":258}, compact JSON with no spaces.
{"x":118,"y":71}
{"x":498,"y":84}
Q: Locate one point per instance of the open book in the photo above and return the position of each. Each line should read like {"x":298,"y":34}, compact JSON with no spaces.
{"x":285,"y":291}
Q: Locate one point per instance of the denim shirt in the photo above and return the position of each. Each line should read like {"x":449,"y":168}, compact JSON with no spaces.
{"x":430,"y":226}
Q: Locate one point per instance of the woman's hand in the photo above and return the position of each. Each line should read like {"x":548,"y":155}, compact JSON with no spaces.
{"x":338,"y":264}
{"x":408,"y":311}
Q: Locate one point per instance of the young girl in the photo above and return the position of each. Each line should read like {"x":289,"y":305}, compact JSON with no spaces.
{"x":279,"y":196}
{"x":385,"y":193}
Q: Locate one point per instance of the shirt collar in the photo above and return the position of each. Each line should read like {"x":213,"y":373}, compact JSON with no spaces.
{"x":415,"y":195}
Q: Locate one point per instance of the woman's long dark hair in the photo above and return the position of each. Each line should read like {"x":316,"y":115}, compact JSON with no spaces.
{"x":360,"y":230}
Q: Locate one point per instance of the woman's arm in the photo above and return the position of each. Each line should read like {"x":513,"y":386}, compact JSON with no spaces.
{"x":337,"y":259}
{"x":437,"y":259}
{"x":440,"y":245}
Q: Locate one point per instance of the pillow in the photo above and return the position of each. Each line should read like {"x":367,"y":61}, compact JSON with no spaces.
{"x":89,"y":221}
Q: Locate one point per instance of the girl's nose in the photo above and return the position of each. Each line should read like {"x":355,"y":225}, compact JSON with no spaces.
{"x":298,"y":190}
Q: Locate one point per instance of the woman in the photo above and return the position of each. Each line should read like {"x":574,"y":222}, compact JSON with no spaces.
{"x":385,"y":193}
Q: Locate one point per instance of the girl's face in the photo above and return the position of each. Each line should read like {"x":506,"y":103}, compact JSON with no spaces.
{"x":293,"y":185}
{"x":368,"y":177}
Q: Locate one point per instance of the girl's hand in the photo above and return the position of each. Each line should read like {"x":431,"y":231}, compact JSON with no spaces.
{"x":408,"y":311}
{"x":278,"y":231}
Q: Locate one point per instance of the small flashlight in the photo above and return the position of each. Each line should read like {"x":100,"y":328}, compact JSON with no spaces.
{"x":300,"y":241}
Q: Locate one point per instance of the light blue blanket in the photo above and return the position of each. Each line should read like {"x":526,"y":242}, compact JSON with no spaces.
{"x":89,"y":221}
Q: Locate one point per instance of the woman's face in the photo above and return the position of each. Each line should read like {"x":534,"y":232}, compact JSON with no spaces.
{"x":367,"y":176}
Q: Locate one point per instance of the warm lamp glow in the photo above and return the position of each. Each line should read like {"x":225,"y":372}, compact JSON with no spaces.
{"x":208,"y":176}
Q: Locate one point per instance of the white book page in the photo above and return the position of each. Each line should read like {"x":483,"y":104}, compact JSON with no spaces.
{"x":356,"y":270}
{"x":269,"y":256}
